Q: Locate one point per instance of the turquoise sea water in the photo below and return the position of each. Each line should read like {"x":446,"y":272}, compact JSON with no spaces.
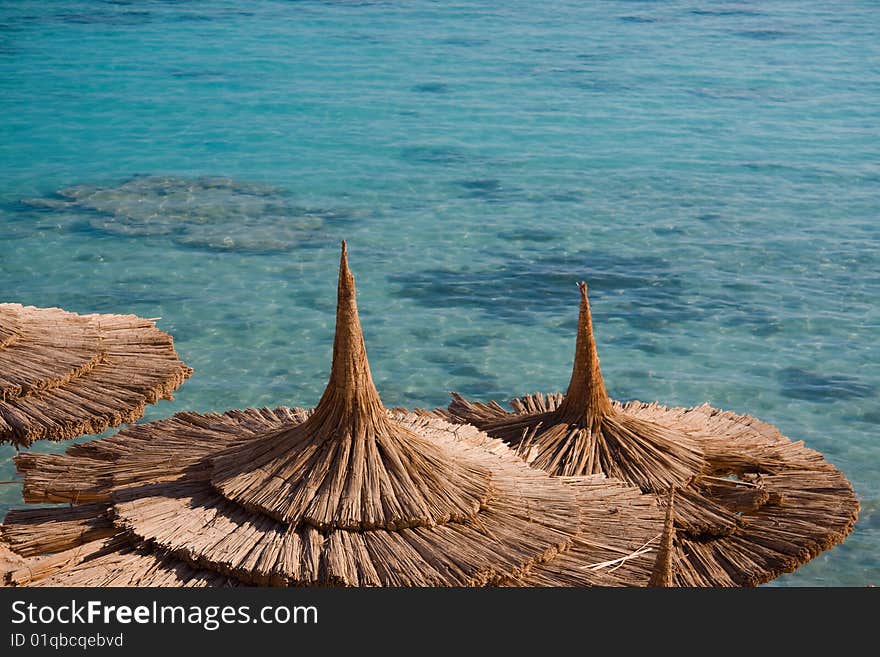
{"x":712,"y":169}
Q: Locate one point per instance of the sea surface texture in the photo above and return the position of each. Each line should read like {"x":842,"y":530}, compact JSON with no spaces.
{"x":711,"y":169}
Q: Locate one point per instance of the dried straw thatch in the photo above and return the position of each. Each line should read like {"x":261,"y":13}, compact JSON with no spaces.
{"x":63,"y":375}
{"x":750,"y":503}
{"x":664,"y":573}
{"x":349,"y":493}
{"x":9,"y":561}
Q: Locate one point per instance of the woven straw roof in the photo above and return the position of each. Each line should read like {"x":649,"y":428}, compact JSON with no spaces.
{"x":349,"y":493}
{"x":750,"y":504}
{"x":63,"y":375}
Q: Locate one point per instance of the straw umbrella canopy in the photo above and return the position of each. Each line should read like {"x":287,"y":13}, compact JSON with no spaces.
{"x":63,"y":375}
{"x":750,"y":503}
{"x":349,"y":493}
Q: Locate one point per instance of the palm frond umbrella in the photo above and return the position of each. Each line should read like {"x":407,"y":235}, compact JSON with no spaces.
{"x":750,"y":503}
{"x":63,"y":375}
{"x":346,"y":494}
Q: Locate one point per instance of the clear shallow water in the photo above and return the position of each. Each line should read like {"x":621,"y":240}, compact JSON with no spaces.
{"x":711,"y":169}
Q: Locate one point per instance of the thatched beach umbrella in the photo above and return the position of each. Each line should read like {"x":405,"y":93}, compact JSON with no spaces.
{"x":750,"y":503}
{"x":346,"y":494}
{"x":63,"y":375}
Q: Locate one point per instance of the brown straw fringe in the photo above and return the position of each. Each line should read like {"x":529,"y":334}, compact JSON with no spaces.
{"x":63,"y":375}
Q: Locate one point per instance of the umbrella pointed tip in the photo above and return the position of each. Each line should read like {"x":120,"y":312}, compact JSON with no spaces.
{"x":670,"y":509}
{"x":350,"y":376}
{"x":582,"y":286}
{"x":346,"y":278}
{"x":663,"y":573}
{"x":586,"y":396}
{"x":669,"y":521}
{"x":343,"y":258}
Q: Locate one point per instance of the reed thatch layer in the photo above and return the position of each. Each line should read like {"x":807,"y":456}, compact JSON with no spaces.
{"x":46,"y":348}
{"x":616,"y":545}
{"x":755,"y":506}
{"x":734,"y":443}
{"x":10,"y":329}
{"x":663,"y":573}
{"x":792,"y":503}
{"x":110,"y":562}
{"x":522,"y":521}
{"x":78,"y":546}
{"x":696,"y":514}
{"x":128,"y":568}
{"x":9,"y":562}
{"x":143,"y":454}
{"x":39,"y":567}
{"x":191,"y":524}
{"x":33,"y":532}
{"x":348,"y":494}
{"x":809,"y":512}
{"x":788,"y":502}
{"x":170,"y":503}
{"x":63,"y":375}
